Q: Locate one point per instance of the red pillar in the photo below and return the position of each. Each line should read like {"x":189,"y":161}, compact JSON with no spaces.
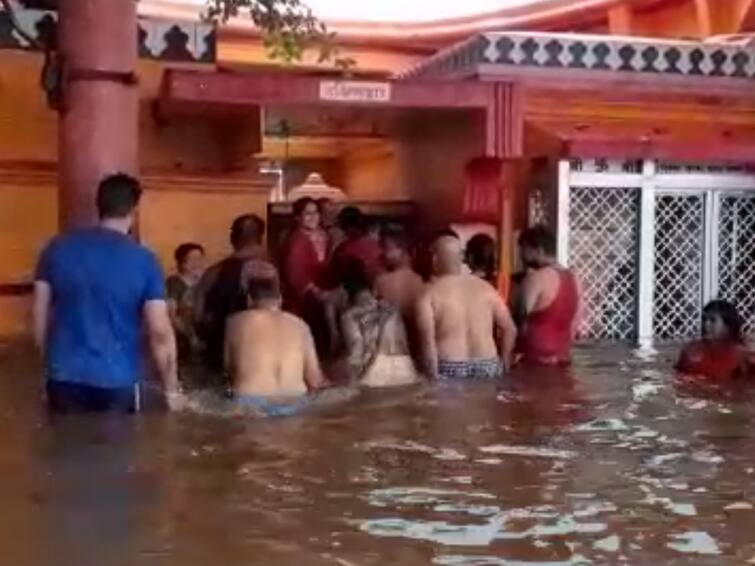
{"x":99,"y":123}
{"x":505,"y":140}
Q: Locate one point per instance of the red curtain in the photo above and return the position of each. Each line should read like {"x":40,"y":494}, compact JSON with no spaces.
{"x":482,"y":190}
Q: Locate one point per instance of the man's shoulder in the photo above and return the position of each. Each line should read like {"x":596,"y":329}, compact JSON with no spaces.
{"x":74,"y":239}
{"x":239,"y":318}
{"x":291,"y":319}
{"x":98,"y":239}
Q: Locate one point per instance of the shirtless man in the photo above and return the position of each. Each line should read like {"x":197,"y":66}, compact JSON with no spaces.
{"x":400,"y":286}
{"x":220,"y":292}
{"x":550,"y":298}
{"x":270,"y":354}
{"x":458,"y":316}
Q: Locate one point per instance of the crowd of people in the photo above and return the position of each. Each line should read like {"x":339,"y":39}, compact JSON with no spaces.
{"x":343,"y":303}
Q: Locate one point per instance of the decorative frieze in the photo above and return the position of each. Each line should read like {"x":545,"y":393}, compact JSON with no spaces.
{"x":164,"y":40}
{"x":605,"y":54}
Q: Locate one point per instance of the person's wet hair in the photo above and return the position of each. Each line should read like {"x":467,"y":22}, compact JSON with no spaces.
{"x":355,"y":279}
{"x":183,"y":251}
{"x":117,"y":196}
{"x":538,"y":238}
{"x":481,"y":255}
{"x":396,"y":235}
{"x":727,"y":312}
{"x":263,"y":288}
{"x":351,"y":219}
{"x":300,"y":205}
{"x":246,"y":230}
{"x":450,"y":232}
{"x":372,"y":225}
{"x":323,"y":203}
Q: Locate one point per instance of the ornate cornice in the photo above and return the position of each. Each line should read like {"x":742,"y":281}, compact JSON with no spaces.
{"x":179,"y":40}
{"x":600,"y":54}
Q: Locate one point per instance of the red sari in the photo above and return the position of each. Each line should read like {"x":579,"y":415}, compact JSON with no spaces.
{"x":302,"y":267}
{"x":716,"y":361}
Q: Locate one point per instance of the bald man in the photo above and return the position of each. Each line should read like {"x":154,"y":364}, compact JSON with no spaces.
{"x":465,"y":328}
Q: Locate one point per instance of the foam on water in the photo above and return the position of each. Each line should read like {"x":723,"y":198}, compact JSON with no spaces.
{"x":440,"y":532}
{"x":603,"y":425}
{"x":739,"y":506}
{"x":707,"y":457}
{"x":644,"y":390}
{"x":531,"y":451}
{"x":694,"y":542}
{"x":608,"y":544}
{"x":489,"y":461}
{"x":447,"y":454}
{"x":419,"y":495}
{"x":459,"y":560}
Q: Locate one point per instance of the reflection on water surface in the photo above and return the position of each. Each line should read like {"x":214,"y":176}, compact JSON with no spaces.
{"x":611,"y":464}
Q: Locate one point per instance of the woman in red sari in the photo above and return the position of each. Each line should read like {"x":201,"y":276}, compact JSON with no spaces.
{"x":720,"y":355}
{"x":303,"y":269}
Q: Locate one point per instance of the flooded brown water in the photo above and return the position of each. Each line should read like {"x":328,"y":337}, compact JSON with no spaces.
{"x":610,"y":466}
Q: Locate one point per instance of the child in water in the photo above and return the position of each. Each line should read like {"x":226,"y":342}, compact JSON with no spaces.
{"x":721,"y":354}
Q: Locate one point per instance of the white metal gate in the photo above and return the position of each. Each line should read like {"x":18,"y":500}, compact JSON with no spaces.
{"x":603,"y":241}
{"x":736,"y":253}
{"x":652,"y":242}
{"x":679,"y":263}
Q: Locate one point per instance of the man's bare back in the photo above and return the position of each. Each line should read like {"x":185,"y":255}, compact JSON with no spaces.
{"x":458,"y":315}
{"x":270,"y":353}
{"x":400,"y":288}
{"x":541,"y":287}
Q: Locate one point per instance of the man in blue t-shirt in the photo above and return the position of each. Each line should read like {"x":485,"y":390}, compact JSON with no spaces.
{"x":95,"y":289}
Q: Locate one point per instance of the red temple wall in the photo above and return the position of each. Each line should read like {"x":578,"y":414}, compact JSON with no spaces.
{"x":433,"y":152}
{"x":374,"y":174}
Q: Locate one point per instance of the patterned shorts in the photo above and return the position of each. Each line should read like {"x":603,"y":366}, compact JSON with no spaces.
{"x":471,"y":369}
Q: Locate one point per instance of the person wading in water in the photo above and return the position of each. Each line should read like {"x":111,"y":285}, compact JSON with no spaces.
{"x":550,"y":298}
{"x":458,"y":317}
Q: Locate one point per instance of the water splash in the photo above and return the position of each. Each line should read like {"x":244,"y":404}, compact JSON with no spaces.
{"x":531,"y":451}
{"x":608,"y":544}
{"x":694,"y":542}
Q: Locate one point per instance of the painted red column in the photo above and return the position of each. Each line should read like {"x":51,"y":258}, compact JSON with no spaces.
{"x":505,"y":141}
{"x":99,"y":122}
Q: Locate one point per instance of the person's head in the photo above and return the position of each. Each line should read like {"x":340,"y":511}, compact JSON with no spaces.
{"x":537,"y":246}
{"x":117,"y":198}
{"x":351,"y":221}
{"x":395,"y":248}
{"x":190,"y":259}
{"x":247,"y":231}
{"x":372,"y":228}
{"x":355,"y":280}
{"x":448,"y":256}
{"x":307,"y":214}
{"x":450,"y":232}
{"x":721,"y":321}
{"x":263,"y":291}
{"x":328,"y":211}
{"x":481,"y":255}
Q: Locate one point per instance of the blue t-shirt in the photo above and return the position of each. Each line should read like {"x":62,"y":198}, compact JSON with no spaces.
{"x":100,"y":280}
